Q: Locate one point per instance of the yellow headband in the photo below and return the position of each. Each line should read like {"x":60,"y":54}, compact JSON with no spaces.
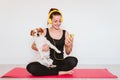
{"x":49,"y":20}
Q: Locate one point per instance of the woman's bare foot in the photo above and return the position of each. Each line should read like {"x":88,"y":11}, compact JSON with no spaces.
{"x":65,"y":72}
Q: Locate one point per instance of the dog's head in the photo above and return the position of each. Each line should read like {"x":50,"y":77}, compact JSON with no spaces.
{"x":36,"y":32}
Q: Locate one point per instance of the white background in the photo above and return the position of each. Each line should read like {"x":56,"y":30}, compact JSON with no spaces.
{"x":95,"y":24}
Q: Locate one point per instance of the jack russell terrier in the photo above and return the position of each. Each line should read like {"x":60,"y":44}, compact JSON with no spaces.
{"x":40,"y":40}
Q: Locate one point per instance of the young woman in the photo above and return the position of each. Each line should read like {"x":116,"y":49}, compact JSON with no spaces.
{"x":60,"y":38}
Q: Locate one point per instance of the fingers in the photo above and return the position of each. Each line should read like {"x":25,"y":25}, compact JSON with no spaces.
{"x":69,"y":41}
{"x":45,"y":48}
{"x":71,"y":37}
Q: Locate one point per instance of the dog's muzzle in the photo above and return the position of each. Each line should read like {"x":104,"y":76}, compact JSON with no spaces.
{"x":38,"y":35}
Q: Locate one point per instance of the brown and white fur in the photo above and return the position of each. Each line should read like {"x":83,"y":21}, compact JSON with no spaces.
{"x":40,"y":40}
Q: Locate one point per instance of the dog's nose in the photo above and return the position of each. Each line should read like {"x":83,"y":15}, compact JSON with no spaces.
{"x":37,"y":34}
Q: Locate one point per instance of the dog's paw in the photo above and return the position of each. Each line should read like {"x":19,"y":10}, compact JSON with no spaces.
{"x":52,"y":66}
{"x":58,"y":51}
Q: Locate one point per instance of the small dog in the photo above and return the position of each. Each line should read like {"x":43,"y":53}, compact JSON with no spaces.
{"x":40,"y":40}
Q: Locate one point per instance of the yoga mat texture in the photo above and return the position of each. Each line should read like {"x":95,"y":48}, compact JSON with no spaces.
{"x":78,"y":73}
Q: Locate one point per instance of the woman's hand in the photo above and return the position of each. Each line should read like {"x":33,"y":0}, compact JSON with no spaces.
{"x":69,"y":43}
{"x":34,"y":46}
{"x":69,"y":40}
{"x":45,"y":48}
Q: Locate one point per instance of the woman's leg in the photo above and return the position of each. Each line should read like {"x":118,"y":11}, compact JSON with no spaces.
{"x":35,"y":68}
{"x":68,"y":64}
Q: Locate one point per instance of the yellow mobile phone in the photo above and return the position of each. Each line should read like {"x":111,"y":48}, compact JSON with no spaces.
{"x":71,"y":35}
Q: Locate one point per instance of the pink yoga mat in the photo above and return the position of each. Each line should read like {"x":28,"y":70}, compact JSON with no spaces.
{"x":78,"y":73}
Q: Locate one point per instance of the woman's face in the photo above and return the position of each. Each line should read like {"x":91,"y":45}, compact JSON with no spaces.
{"x":56,"y":21}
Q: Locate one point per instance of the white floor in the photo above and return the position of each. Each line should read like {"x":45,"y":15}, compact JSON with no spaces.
{"x":115,"y":69}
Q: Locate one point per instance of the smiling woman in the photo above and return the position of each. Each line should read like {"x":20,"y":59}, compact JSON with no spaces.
{"x":59,"y":38}
{"x":55,"y":12}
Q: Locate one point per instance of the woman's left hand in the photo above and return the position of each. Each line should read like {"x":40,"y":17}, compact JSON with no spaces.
{"x":69,"y":41}
{"x":45,"y":48}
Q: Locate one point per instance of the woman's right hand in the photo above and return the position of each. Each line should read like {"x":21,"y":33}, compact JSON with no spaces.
{"x":34,"y":46}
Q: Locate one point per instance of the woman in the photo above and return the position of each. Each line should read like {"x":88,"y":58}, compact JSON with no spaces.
{"x":60,"y":38}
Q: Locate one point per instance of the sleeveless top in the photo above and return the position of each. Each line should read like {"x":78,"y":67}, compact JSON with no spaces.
{"x":59,"y":43}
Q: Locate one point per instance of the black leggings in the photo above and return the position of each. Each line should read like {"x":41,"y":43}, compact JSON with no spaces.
{"x":37,"y":69}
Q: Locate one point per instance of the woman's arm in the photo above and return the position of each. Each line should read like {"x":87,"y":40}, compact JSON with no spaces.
{"x":68,"y":43}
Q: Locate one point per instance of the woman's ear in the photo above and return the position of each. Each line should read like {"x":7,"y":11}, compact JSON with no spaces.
{"x":49,"y":21}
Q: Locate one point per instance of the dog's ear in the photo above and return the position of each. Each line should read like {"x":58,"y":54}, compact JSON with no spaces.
{"x":32,"y":33}
{"x":40,"y":30}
